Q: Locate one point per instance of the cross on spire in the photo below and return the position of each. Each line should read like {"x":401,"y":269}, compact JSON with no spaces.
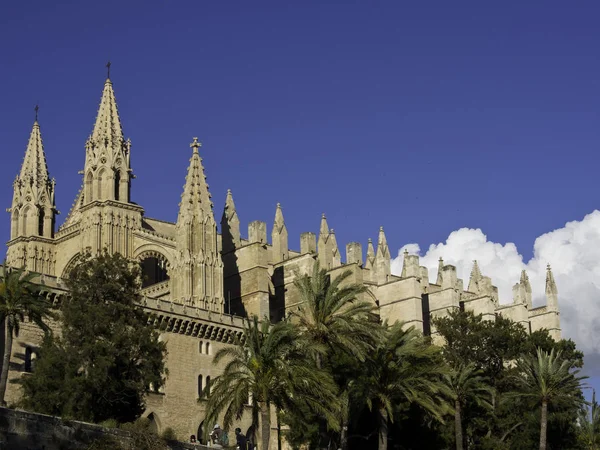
{"x":36,"y":109}
{"x":108,"y":70}
{"x":195,"y":144}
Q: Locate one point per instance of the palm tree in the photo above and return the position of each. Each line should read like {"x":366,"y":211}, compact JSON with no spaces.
{"x":548,"y":380}
{"x":332,"y":317}
{"x":589,"y":424}
{"x":466,"y":384}
{"x":19,"y":298}
{"x":269,"y":366}
{"x":402,"y":368}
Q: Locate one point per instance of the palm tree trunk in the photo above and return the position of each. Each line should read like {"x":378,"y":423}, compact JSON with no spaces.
{"x":265,"y":425}
{"x":543,"y":425}
{"x":5,"y":359}
{"x":458,"y":426}
{"x":8,"y":338}
{"x":345,"y":414}
{"x":383,"y":429}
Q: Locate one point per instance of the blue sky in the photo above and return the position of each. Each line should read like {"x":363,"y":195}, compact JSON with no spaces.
{"x":422,"y":117}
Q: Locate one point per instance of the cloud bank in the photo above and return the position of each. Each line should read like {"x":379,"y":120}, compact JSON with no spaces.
{"x":574,"y":254}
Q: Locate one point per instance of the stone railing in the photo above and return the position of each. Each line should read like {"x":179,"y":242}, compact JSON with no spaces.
{"x":156,"y":290}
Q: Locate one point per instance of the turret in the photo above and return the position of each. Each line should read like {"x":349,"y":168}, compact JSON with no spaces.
{"x":410,"y":266}
{"x":522,"y":291}
{"x":354,"y":253}
{"x":551,"y":290}
{"x":382,"y":259}
{"x":230,"y":225}
{"x":279,"y":237}
{"x":336,"y":259}
{"x":198,"y":268}
{"x":107,"y":171}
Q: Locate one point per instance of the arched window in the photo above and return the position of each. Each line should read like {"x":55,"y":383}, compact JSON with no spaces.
{"x":28,"y":360}
{"x":201,"y":347}
{"x":153,"y":425}
{"x":200,"y":386}
{"x":154,"y":270}
{"x":207,"y":348}
{"x":117,"y":183}
{"x":41,"y":216}
{"x":207,"y":387}
{"x":99,"y":193}
{"x":89,"y":188}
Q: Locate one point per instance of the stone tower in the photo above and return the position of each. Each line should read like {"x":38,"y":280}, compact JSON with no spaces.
{"x":107,"y":219}
{"x":197,"y":272}
{"x":33,"y":211}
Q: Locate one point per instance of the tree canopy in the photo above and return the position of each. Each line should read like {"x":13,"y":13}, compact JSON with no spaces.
{"x":107,"y":356}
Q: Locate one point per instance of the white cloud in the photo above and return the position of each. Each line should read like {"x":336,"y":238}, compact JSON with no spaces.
{"x":573,"y":252}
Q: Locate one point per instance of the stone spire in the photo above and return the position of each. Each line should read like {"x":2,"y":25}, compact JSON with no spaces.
{"x":107,"y":171}
{"x":230,"y":225}
{"x":279,"y":237}
{"x":370,"y":262}
{"x":33,"y":207}
{"x":195,"y":200}
{"x":382,"y":258}
{"x":336,"y":259}
{"x":475,"y":279}
{"x":324,"y":248}
{"x":33,"y":211}
{"x":440,"y":271}
{"x":551,"y":290}
{"x":198,"y":267}
{"x":524,"y":282}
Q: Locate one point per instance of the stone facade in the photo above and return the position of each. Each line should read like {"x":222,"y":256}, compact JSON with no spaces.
{"x":199,"y":282}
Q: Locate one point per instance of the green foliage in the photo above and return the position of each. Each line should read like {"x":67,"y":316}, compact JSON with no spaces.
{"x":19,"y":299}
{"x":109,"y":423}
{"x":589,"y":425}
{"x":269,"y":365}
{"x":169,"y":434}
{"x":107,"y":355}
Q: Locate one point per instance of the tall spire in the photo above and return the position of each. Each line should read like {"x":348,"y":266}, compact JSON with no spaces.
{"x":440,"y":271}
{"x":382,"y":258}
{"x":279,"y":237}
{"x":551,"y":290}
{"x":336,"y":258}
{"x":108,"y":124}
{"x":230,"y":224}
{"x":475,"y":278}
{"x":35,"y":168}
{"x":195,"y":199}
{"x":107,"y":171}
{"x":369,"y":263}
{"x":324,"y":248}
{"x":33,"y":209}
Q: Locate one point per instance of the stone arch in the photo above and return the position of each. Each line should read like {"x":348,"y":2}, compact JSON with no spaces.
{"x":154,"y":422}
{"x":200,"y":433}
{"x":154,"y":264}
{"x":89,"y":187}
{"x":372,"y":297}
{"x":25,"y":220}
{"x":14,"y":229}
{"x":70,"y":265}
{"x":99,"y":184}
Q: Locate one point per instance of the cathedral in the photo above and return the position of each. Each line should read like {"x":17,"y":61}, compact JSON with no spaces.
{"x":199,"y":281}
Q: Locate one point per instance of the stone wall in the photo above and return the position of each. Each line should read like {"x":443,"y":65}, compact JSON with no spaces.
{"x":21,"y":430}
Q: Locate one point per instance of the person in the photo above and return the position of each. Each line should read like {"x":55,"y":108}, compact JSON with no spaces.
{"x":216,"y":436}
{"x":193,"y":439}
{"x":241,"y":440}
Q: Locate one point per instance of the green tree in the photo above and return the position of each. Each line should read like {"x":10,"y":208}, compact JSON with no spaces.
{"x":332,"y":316}
{"x":19,"y":299}
{"x":402,"y":368}
{"x":269,"y":365}
{"x":548,"y":380}
{"x":463,"y":384}
{"x":107,"y":356}
{"x":589,"y":425}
